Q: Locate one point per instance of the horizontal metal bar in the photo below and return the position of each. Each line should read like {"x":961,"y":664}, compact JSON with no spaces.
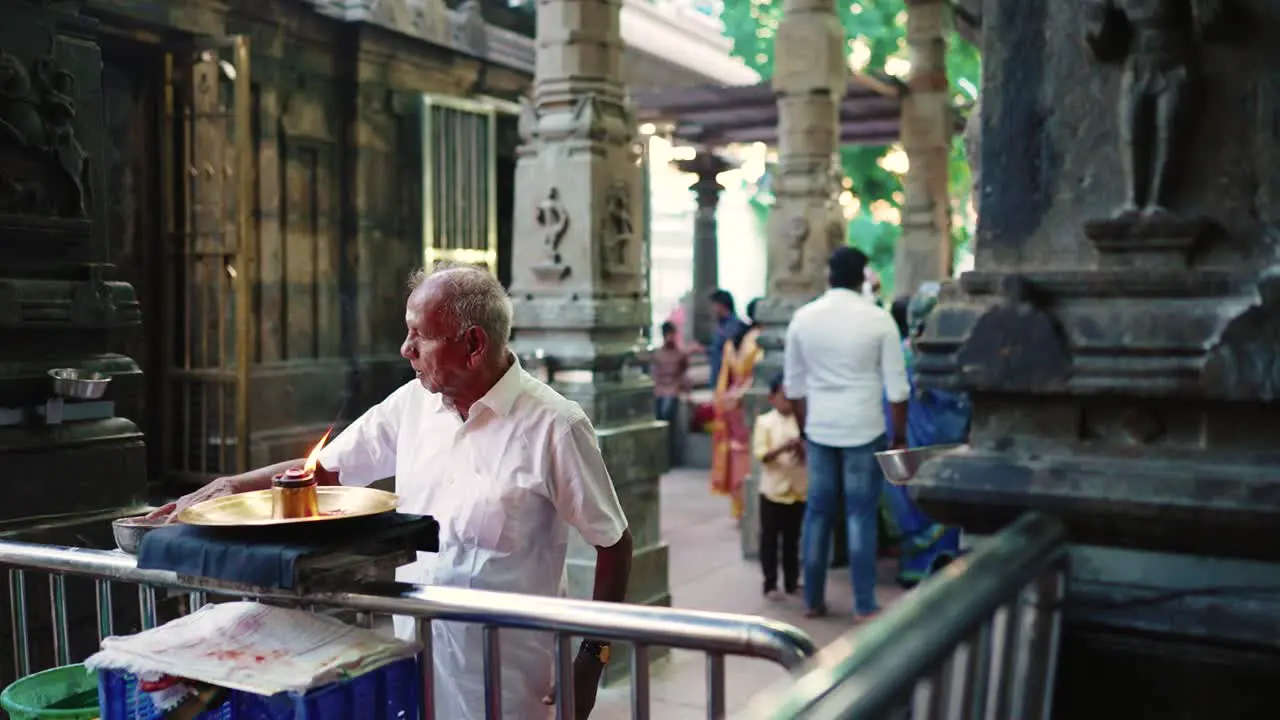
{"x":724,"y":633}
{"x":864,"y":678}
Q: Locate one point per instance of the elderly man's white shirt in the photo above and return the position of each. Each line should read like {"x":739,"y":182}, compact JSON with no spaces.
{"x":505,"y":486}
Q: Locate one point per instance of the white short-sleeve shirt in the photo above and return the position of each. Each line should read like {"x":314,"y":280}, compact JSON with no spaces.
{"x":505,"y":485}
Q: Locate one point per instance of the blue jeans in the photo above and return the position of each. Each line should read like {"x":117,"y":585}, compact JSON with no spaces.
{"x":668,"y":408}
{"x":850,"y":474}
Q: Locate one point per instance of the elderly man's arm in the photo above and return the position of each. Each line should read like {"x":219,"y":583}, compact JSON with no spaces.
{"x":363,"y":453}
{"x":583,"y":494}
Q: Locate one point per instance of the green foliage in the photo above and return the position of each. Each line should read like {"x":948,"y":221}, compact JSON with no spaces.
{"x":876,"y":31}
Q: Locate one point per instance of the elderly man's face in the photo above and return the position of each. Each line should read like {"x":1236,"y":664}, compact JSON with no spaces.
{"x":441,"y":354}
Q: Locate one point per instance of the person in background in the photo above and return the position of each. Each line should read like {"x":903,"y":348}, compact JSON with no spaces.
{"x":843,"y":354}
{"x":730,"y":436}
{"x":669,"y":369}
{"x":783,"y":485}
{"x":728,"y":326}
{"x":936,"y":417}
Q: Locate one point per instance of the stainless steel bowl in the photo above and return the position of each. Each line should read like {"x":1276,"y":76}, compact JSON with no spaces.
{"x":900,"y":466}
{"x":79,"y":384}
{"x":129,"y":532}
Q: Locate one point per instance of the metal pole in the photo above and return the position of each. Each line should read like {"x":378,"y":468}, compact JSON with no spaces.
{"x":564,"y":677}
{"x":715,"y":686}
{"x":18,"y":617}
{"x":639,"y":681}
{"x":58,"y":613}
{"x":428,"y":667}
{"x":492,"y":674}
{"x":106,"y":616}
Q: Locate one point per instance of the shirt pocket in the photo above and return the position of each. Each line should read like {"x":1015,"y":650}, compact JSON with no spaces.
{"x":478,"y":517}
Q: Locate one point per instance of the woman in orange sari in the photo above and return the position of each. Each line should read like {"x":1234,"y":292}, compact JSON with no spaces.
{"x":730,"y":435}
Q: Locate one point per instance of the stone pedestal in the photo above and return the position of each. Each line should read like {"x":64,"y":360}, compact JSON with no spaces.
{"x":1122,"y":365}
{"x":577,"y":279}
{"x":706,"y":258}
{"x":924,"y":251}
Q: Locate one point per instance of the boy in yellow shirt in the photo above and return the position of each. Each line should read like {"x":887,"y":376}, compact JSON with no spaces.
{"x":784,"y":481}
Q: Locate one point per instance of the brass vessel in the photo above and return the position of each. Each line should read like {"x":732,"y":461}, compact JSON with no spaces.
{"x":258,"y":508}
{"x":293,"y":495}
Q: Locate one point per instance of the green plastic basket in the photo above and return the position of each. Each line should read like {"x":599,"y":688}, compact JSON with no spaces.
{"x":30,"y":697}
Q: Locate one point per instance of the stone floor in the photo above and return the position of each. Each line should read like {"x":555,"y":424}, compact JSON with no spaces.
{"x":708,"y":573}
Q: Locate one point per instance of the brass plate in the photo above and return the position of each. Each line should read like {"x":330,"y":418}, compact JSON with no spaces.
{"x":254,"y":508}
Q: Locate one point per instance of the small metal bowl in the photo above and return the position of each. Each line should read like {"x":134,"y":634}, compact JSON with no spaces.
{"x":79,"y":384}
{"x":129,"y":532}
{"x":900,"y":466}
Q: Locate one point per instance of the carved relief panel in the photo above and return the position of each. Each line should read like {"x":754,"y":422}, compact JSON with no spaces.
{"x":50,"y":130}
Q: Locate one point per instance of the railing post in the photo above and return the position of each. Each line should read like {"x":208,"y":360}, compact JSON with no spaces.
{"x":18,"y":618}
{"x":492,"y":674}
{"x":564,"y":677}
{"x":715,"y":686}
{"x":428,"y":668}
{"x":639,"y":682}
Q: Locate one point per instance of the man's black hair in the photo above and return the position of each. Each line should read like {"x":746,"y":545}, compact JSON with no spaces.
{"x":847,"y":268}
{"x":668,"y":327}
{"x":775,"y":384}
{"x":751,"y":310}
{"x":899,"y":312}
{"x":723,"y":297}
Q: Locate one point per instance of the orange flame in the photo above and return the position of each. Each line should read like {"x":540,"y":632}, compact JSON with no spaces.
{"x":314,"y":457}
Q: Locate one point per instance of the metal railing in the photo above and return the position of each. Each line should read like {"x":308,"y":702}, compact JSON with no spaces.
{"x":716,"y":634}
{"x":980,"y":640}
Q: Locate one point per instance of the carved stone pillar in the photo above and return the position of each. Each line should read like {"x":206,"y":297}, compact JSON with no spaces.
{"x":807,"y":223}
{"x":1118,"y":337}
{"x":924,"y":251}
{"x":577,"y":277}
{"x":706,"y":258}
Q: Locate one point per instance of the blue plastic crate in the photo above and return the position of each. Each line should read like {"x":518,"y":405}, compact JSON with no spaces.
{"x":391,"y":692}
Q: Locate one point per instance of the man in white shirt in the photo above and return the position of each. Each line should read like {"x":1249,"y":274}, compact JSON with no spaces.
{"x":843,"y":358}
{"x":505,"y":464}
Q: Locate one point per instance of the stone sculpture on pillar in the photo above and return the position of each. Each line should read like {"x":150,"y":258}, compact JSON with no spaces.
{"x":706,"y":258}
{"x":577,"y":284}
{"x":1157,"y":43}
{"x":1120,"y":381}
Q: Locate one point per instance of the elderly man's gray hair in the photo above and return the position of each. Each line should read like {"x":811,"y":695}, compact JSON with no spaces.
{"x":472,"y":296}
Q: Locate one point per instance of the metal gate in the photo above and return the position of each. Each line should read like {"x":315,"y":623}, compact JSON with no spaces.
{"x":459,"y":179}
{"x":207,"y":261}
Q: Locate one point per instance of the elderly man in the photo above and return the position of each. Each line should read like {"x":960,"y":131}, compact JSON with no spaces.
{"x":504,"y":463}
{"x":842,"y":355}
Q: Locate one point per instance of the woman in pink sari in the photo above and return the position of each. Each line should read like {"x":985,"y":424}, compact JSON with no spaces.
{"x":730,"y":434}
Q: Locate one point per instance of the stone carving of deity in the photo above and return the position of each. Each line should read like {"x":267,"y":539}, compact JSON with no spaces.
{"x":553,"y":218}
{"x":619,"y":229}
{"x":797,"y":234}
{"x":1156,"y":42}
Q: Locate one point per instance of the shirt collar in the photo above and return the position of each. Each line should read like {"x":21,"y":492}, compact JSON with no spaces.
{"x":502,"y":396}
{"x":845,"y":292}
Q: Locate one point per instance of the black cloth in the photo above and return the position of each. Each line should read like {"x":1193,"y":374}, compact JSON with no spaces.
{"x":268,"y":557}
{"x":780,"y":525}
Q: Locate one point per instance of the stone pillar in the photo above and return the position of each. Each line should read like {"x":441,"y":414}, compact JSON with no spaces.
{"x":1122,"y":363}
{"x":924,"y":251}
{"x":706,"y":259}
{"x":577,"y":278}
{"x":807,"y":223}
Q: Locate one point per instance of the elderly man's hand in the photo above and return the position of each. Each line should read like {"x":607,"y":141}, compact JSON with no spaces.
{"x":586,"y":684}
{"x":221,"y":487}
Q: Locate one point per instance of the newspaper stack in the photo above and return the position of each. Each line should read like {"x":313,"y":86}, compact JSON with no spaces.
{"x":252,"y":647}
